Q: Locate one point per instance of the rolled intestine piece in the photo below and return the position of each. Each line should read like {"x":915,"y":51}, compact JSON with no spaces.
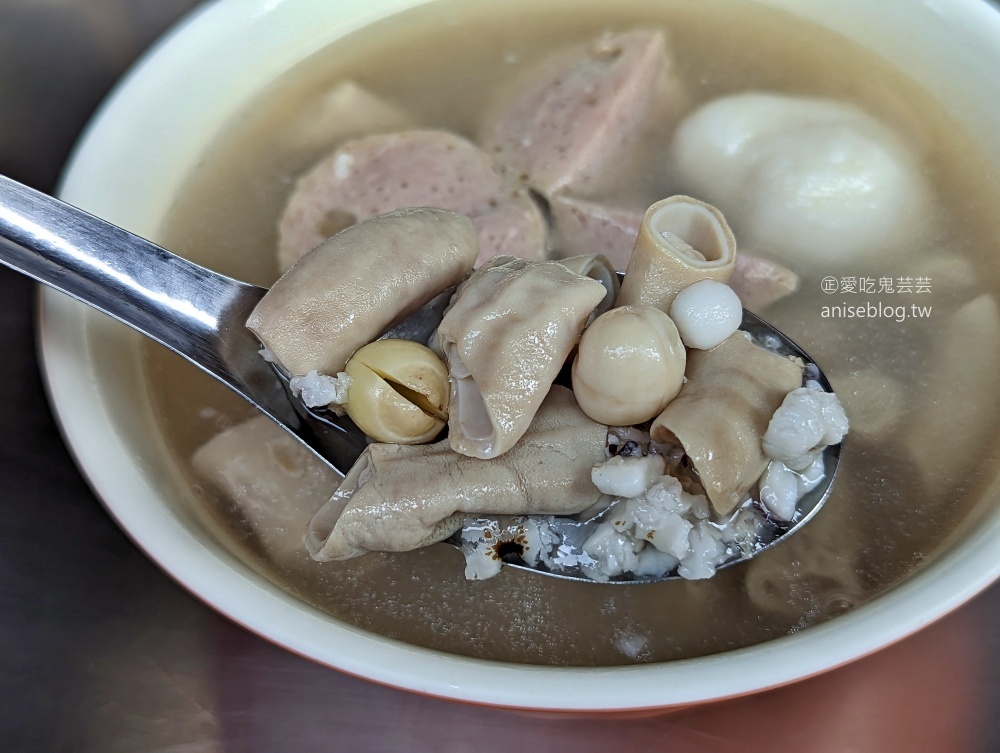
{"x":401,"y":497}
{"x":681,"y":240}
{"x":596,"y":267}
{"x":722,"y":412}
{"x":346,"y":292}
{"x":505,"y":337}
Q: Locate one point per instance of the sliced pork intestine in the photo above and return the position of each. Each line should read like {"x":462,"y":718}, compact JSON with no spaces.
{"x":611,"y":231}
{"x":505,"y":337}
{"x":816,"y":182}
{"x":681,"y":240}
{"x":398,"y":497}
{"x":722,"y":412}
{"x":345,"y":293}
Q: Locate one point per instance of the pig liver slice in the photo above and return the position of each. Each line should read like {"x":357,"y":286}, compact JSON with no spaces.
{"x":580,"y":122}
{"x":382,"y":173}
{"x":587,"y":227}
{"x":759,"y":282}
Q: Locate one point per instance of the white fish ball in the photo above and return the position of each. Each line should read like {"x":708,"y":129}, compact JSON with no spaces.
{"x":706,"y":313}
{"x":814,"y":181}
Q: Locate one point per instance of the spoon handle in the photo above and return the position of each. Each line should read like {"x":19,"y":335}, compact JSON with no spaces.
{"x":173,"y":301}
{"x":194,"y":311}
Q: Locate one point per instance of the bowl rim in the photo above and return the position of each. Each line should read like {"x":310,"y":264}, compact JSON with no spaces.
{"x":232,"y":588}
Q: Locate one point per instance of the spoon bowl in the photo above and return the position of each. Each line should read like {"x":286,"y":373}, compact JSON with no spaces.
{"x":201,"y":315}
{"x":574,"y":531}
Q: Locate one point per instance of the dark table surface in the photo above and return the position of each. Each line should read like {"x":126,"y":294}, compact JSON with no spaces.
{"x":100,"y":651}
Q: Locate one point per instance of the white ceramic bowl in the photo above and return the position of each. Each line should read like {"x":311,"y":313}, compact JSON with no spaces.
{"x":129,"y":165}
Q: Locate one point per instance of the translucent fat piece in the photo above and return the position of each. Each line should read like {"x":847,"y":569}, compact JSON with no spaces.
{"x":583,"y":120}
{"x":272,"y":483}
{"x":345,"y":111}
{"x":346,"y":292}
{"x":681,"y":240}
{"x":946,"y":432}
{"x":590,"y":227}
{"x":722,"y":412}
{"x":386,"y":172}
{"x":398,"y":498}
{"x":506,"y":336}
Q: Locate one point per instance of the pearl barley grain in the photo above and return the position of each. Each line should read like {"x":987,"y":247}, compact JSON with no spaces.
{"x":706,"y":313}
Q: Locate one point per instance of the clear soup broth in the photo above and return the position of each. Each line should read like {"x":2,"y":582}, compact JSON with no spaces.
{"x":903,"y":490}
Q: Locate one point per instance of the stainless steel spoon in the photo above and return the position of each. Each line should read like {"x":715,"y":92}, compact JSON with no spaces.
{"x":194,"y":311}
{"x":201,"y":315}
